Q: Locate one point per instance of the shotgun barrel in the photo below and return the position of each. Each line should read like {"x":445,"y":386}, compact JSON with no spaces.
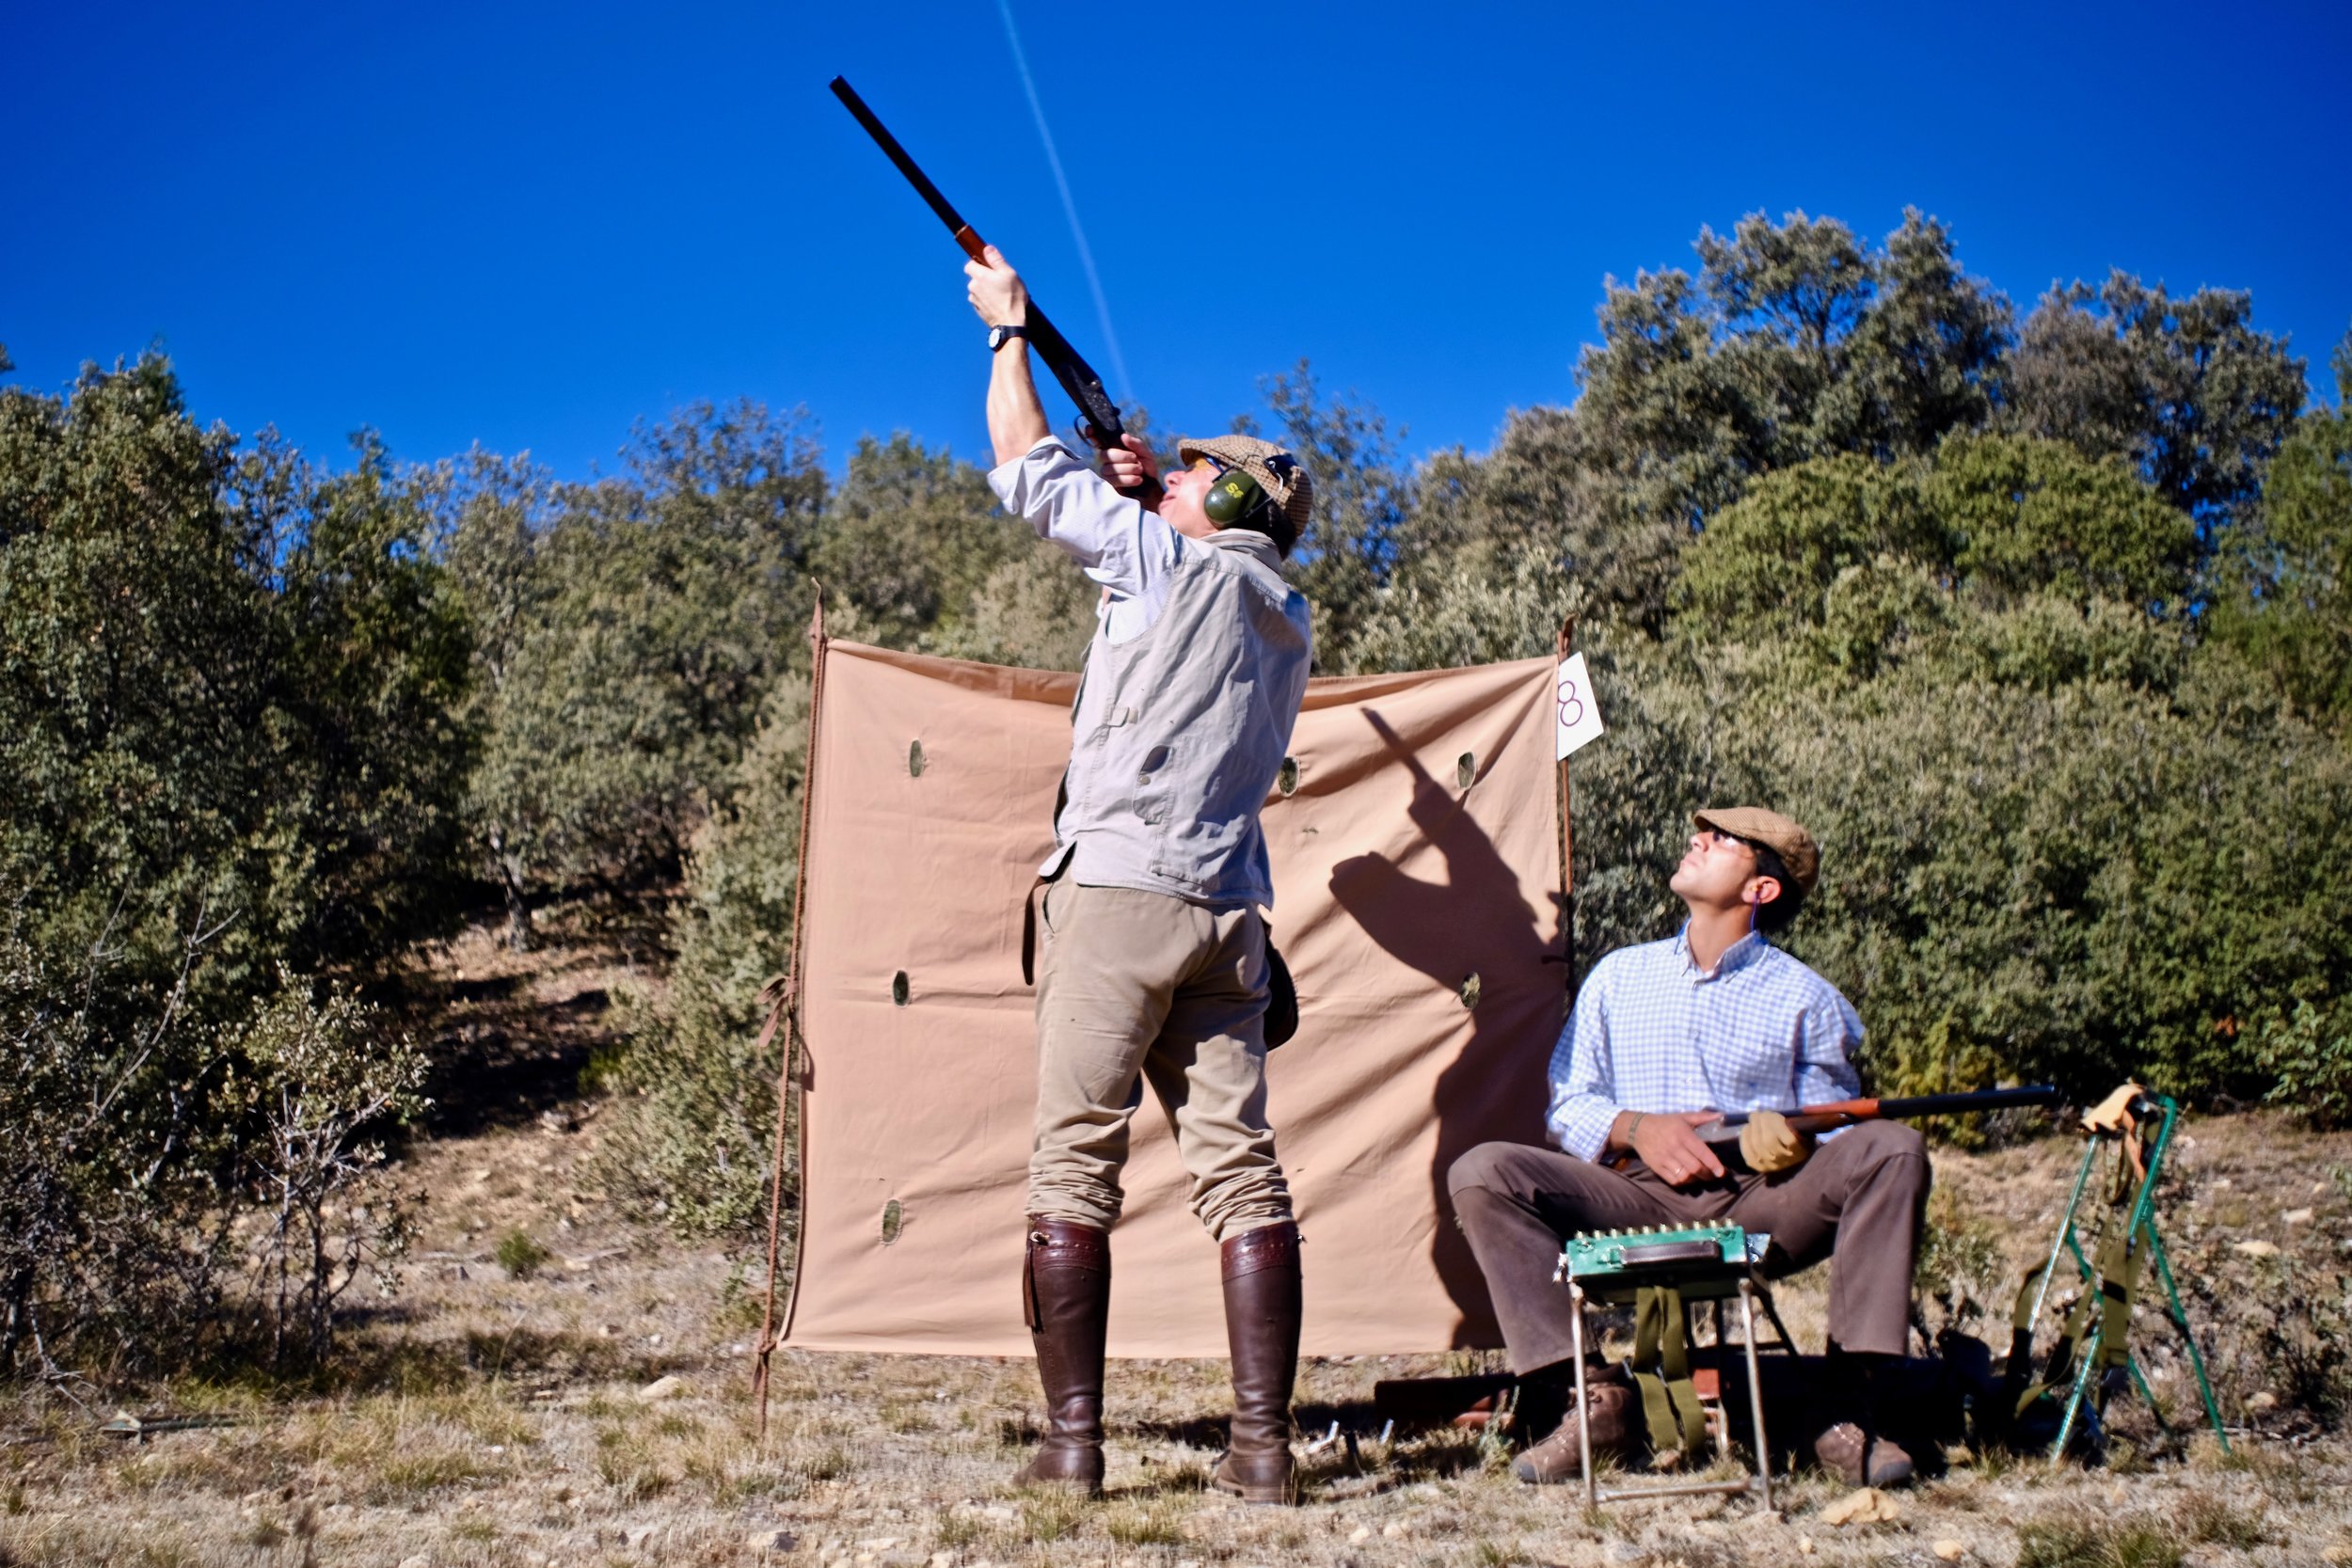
{"x":1099,"y":421}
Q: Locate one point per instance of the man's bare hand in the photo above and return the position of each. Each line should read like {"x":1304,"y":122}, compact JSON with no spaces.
{"x":1130,"y":465}
{"x":998,"y":294}
{"x":1668,"y":1146}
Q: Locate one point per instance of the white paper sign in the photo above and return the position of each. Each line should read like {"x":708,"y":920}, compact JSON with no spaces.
{"x":1580,"y":715}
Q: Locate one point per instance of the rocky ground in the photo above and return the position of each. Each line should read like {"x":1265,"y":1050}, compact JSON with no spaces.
{"x":553,"y":1384}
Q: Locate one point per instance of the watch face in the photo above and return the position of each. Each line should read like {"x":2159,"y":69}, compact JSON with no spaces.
{"x":996,"y":337}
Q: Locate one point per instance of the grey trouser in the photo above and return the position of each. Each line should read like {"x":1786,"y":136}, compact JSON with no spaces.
{"x":1128,"y":982}
{"x":1858,"y":1200}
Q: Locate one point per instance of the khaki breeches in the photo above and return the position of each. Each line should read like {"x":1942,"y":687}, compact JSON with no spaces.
{"x":1137,"y":982}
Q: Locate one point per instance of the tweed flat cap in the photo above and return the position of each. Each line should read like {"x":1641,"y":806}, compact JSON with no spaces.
{"x":1281,"y":475}
{"x":1791,"y":843}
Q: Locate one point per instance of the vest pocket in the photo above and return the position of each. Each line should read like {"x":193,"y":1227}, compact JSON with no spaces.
{"x":1155,"y":784}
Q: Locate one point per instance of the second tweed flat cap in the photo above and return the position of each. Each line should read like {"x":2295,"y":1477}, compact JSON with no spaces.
{"x":1791,"y":843}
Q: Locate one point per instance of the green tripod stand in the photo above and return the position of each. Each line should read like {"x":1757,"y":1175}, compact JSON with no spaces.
{"x":2094,"y":1337}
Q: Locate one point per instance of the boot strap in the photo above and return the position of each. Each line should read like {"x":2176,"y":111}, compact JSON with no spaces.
{"x":1058,"y":1244}
{"x":1271,"y":1246}
{"x":1028,"y":1288}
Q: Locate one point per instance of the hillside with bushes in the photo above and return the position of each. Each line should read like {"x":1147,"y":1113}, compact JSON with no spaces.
{"x":2040,"y":617}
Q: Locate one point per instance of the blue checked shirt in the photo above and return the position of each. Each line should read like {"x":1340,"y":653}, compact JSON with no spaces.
{"x":1654,"y":1033}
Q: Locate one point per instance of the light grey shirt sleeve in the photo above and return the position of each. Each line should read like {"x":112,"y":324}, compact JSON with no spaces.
{"x":1118,"y":543}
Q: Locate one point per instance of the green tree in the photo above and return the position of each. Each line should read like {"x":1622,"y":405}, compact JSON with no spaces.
{"x":1770,"y":563}
{"x":1363,"y":494}
{"x":1856,"y":562}
{"x":1472,"y":607}
{"x":1794,"y":342}
{"x":1676,"y":432}
{"x":232,"y":682}
{"x":2187,"y":390}
{"x":2289,"y":601}
{"x":1543,"y":500}
{"x":1931,"y":353}
{"x":377,"y":654}
{"x":2033,"y":518}
{"x":666,"y":605}
{"x":1035,"y":611}
{"x":494,"y":513}
{"x":908,"y":540}
{"x":228,"y":745}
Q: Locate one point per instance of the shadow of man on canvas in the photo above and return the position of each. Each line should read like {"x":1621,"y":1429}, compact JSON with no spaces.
{"x":1474,"y":922}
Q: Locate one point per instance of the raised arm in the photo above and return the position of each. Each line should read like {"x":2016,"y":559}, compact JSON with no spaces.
{"x":1016,"y":419}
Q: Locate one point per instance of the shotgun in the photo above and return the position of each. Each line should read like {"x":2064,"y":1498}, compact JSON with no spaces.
{"x":1099,"y":423}
{"x":1841,"y":1113}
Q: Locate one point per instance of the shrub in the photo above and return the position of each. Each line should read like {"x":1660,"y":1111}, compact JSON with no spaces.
{"x":698,"y":1116}
{"x":327,"y":1087}
{"x":632,"y":629}
{"x":520,"y":1255}
{"x":2081,"y":1540}
{"x":2311,"y":1052}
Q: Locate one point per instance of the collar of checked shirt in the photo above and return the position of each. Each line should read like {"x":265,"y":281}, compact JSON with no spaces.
{"x":1741,"y":954}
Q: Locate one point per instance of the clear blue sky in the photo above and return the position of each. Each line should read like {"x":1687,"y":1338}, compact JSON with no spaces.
{"x":525,"y":226}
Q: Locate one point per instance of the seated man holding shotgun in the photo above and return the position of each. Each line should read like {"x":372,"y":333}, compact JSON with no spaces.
{"x":1667,"y":1036}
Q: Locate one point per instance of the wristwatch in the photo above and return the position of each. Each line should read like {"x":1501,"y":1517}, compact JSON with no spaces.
{"x":999,"y":336}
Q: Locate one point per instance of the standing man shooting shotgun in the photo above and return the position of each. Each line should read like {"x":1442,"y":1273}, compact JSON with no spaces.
{"x":1153,"y":950}
{"x":1153,"y":962}
{"x":1099,"y":422}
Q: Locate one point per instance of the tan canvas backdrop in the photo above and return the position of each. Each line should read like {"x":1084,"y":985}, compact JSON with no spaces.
{"x":1395,"y":883}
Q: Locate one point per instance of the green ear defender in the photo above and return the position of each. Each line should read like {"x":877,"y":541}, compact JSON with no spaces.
{"x":1233,"y":497}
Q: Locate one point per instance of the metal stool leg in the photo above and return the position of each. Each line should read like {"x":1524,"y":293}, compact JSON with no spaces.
{"x":1755,"y":1390}
{"x":1583,"y":1410}
{"x":1771,"y":1313}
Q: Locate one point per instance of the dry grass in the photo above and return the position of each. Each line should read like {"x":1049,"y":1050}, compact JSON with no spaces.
{"x":897,"y":1460}
{"x":493,"y":1418}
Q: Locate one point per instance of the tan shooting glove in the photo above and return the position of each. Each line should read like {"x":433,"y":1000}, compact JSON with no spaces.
{"x":1769,"y":1144}
{"x":2114,"y":1113}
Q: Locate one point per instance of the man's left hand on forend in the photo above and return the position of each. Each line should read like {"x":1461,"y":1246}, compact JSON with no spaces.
{"x":1131,"y":466}
{"x":998,"y":294}
{"x":1769,"y":1144}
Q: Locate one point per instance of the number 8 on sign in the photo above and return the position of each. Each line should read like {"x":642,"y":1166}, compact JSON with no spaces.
{"x":1579,"y":711}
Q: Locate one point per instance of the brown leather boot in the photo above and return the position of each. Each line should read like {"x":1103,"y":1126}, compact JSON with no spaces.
{"x":1066,"y":1297}
{"x":1261,"y":1308}
{"x":1616,"y":1418}
{"x":1861,"y":1458}
{"x":1853,"y":1449}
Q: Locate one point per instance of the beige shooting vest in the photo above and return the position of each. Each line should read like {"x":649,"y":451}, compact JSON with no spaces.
{"x":1178,"y":732}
